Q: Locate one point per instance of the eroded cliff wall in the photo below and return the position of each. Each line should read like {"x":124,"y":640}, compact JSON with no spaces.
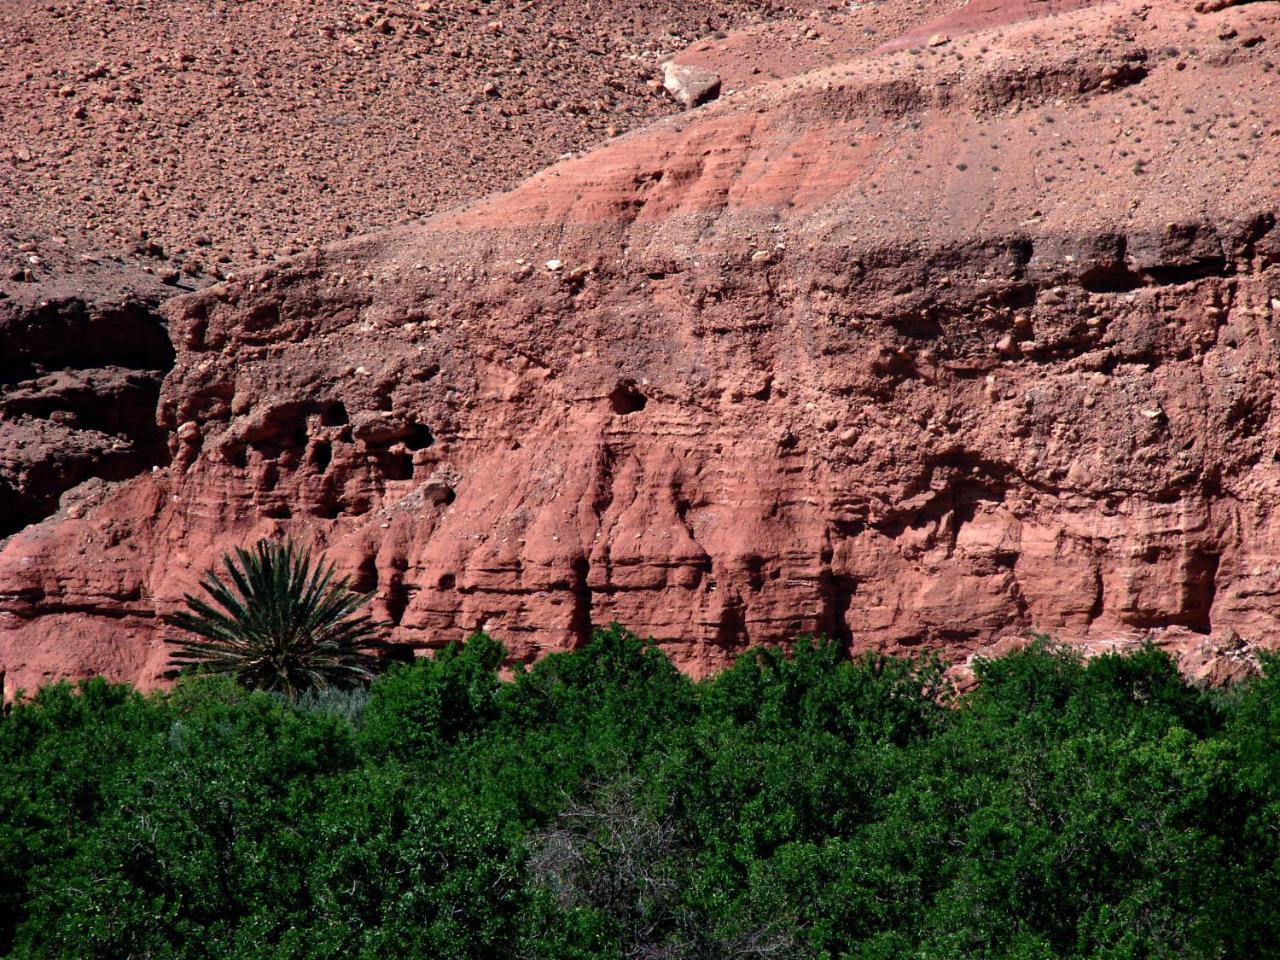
{"x":938,"y":346}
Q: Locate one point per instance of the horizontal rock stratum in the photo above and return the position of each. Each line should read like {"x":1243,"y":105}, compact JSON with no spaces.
{"x":961,"y":339}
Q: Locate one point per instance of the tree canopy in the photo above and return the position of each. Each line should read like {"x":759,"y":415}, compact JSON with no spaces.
{"x":601,"y":805}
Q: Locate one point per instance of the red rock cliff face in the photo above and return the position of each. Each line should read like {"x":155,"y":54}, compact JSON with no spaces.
{"x":934,"y":347}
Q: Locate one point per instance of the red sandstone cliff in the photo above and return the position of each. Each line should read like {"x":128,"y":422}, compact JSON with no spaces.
{"x":939,"y":345}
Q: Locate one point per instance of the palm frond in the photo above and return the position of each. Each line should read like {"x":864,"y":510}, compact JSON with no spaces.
{"x":278,"y":621}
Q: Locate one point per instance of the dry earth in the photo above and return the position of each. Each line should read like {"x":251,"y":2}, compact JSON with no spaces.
{"x":234,"y":133}
{"x":941,"y":339}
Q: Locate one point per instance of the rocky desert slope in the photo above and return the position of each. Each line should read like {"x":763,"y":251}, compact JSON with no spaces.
{"x":939,"y":340}
{"x":153,"y":148}
{"x":200,"y":137}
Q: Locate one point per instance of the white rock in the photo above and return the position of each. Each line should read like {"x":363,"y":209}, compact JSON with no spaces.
{"x":690,"y":86}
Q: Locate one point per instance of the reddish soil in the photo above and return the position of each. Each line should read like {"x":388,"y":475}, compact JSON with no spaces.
{"x":228,"y":134}
{"x":786,"y":47}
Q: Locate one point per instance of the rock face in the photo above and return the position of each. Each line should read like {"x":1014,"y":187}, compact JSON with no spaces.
{"x":79,"y":384}
{"x":939,"y":346}
{"x":690,"y":86}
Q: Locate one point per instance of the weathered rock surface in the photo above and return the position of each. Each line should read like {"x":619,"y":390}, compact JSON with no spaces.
{"x":943,"y":346}
{"x":690,"y":86}
{"x":80,"y":378}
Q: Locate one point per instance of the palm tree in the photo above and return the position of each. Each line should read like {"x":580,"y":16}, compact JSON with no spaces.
{"x":285,"y":624}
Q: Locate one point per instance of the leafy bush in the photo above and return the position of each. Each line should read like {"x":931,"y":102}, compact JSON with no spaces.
{"x":420,"y":708}
{"x":601,"y":805}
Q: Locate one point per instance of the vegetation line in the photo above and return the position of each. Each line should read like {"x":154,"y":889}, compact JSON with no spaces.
{"x":602,"y":805}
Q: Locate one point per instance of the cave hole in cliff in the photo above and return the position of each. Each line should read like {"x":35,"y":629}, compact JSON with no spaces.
{"x":731,"y":631}
{"x":399,"y":652}
{"x":957,"y":635}
{"x":580,"y":623}
{"x":334,"y":415}
{"x":396,"y":466}
{"x":626,"y":399}
{"x":1198,"y":269}
{"x":1202,"y":589}
{"x":1113,"y":277}
{"x":838,"y":590}
{"x":397,"y":598}
{"x":284,"y":448}
{"x":447,"y":581}
{"x":269,"y":478}
{"x":322,"y":455}
{"x":1099,"y":597}
{"x":329,"y":509}
{"x":236,"y":454}
{"x":420,"y":437}
{"x":366,"y":576}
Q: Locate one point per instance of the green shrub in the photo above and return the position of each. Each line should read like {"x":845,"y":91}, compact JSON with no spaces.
{"x":601,"y":805}
{"x":419,"y":708}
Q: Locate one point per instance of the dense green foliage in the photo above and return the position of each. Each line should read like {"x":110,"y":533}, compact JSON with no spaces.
{"x":600,"y":805}
{"x":279,"y":622}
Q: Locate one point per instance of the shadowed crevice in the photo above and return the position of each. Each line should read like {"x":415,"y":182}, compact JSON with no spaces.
{"x":79,"y":386}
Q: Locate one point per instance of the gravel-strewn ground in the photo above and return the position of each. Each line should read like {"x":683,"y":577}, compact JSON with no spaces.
{"x":207,"y":136}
